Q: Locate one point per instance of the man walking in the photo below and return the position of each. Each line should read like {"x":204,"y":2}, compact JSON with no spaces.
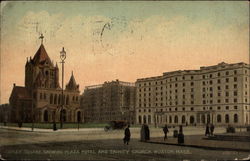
{"x":165,"y":130}
{"x":127,"y":135}
{"x":212,"y":129}
{"x":207,"y":132}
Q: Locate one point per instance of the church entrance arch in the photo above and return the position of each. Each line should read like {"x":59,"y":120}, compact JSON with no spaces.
{"x":45,"y":116}
{"x":63,"y":115}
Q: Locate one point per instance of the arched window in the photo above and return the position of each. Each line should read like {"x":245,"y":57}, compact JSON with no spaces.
{"x":183,"y":119}
{"x":51,"y":98}
{"x":227,"y":118}
{"x":55,"y":98}
{"x":139,"y":119}
{"x":67,"y":100}
{"x":144,"y":119}
{"x":208,"y":118}
{"x":45,"y":116}
{"x":166,"y":119}
{"x":59,"y":99}
{"x":170,"y":119}
{"x":235,"y":118}
{"x":203,"y":119}
{"x":64,"y":115}
{"x":218,"y":118}
{"x":191,"y":120}
{"x":149,"y":119}
{"x":176,"y":119}
{"x":79,"y":116}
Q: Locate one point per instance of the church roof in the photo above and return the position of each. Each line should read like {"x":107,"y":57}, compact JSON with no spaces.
{"x":72,"y":83}
{"x":41,"y":56}
{"x":20,"y":92}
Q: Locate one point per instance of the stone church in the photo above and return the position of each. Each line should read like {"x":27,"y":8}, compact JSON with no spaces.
{"x":42,"y":94}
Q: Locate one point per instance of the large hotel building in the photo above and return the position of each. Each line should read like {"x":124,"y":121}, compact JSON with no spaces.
{"x":218,"y":94}
{"x":109,"y":101}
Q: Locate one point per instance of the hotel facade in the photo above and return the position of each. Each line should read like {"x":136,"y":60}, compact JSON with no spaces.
{"x":216,"y":94}
{"x":109,"y":101}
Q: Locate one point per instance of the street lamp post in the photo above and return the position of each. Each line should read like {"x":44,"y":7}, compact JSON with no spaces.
{"x":62,"y":57}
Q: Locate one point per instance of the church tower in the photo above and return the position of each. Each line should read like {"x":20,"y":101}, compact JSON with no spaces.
{"x":40,"y":72}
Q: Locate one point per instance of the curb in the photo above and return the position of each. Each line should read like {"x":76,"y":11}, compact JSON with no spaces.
{"x":200,"y":146}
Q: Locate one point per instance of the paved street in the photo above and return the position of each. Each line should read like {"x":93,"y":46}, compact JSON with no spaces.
{"x":96,"y":144}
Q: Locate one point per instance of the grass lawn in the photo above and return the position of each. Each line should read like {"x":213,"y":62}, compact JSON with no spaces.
{"x":65,"y":125}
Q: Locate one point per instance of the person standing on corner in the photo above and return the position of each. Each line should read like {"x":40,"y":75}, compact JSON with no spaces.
{"x":207,"y":132}
{"x":211,"y":129}
{"x":127,"y":135}
{"x":165,"y":130}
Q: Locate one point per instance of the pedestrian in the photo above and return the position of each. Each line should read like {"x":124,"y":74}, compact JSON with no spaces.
{"x":165,"y":130}
{"x":180,"y":136}
{"x":127,"y":134}
{"x":207,"y":132}
{"x":147,"y":133}
{"x":212,"y":129}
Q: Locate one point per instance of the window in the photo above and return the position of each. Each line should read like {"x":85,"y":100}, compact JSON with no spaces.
{"x":235,"y":100}
{"x":210,"y":75}
{"x":192,"y":109}
{"x":235,"y":107}
{"x":41,"y":96}
{"x":183,"y":84}
{"x":183,"y":90}
{"x":204,"y":83}
{"x":235,"y":85}
{"x":235,"y":72}
{"x":192,"y":90}
{"x":210,"y":82}
{"x":235,"y":118}
{"x":227,"y":72}
{"x":227,"y":107}
{"x":192,"y":77}
{"x":192,"y":83}
{"x":227,"y":118}
{"x":226,"y":100}
{"x":226,"y":87}
{"x":218,"y":74}
{"x":227,"y":94}
{"x":235,"y":93}
{"x":218,"y":100}
{"x":218,"y":81}
{"x":219,"y":94}
{"x":218,"y":107}
{"x":227,"y":80}
{"x":218,"y":88}
{"x":203,"y":76}
{"x":218,"y":118}
{"x":235,"y":79}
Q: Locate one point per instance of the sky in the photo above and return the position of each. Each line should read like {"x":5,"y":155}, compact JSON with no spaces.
{"x":123,"y":40}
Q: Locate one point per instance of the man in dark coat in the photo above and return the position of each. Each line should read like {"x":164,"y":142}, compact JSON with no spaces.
{"x":212,"y":129}
{"x":147,"y":133}
{"x":207,"y":132}
{"x":165,"y":130}
{"x":127,"y":135}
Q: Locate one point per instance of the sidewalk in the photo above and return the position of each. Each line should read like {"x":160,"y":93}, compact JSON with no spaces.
{"x":200,"y":141}
{"x":28,"y":129}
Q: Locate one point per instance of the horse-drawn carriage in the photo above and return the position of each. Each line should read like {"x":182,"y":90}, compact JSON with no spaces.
{"x":118,"y":124}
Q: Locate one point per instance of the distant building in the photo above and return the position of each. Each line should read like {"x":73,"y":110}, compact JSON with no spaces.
{"x":217,"y":94}
{"x":42,"y":93}
{"x":109,"y":101}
